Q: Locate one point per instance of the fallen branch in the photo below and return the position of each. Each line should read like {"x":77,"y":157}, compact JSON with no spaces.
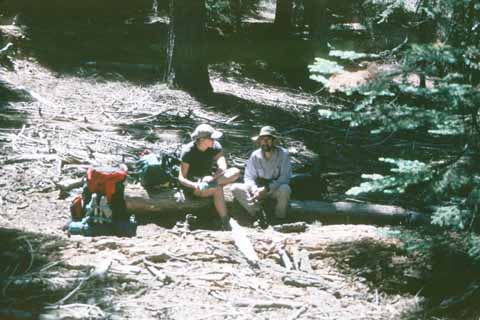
{"x":285,"y":259}
{"x":303,"y":282}
{"x":300,"y":312}
{"x":266,"y":304}
{"x":242,"y":242}
{"x":305,"y":264}
{"x":295,"y":258}
{"x":99,"y":272}
{"x":69,"y":184}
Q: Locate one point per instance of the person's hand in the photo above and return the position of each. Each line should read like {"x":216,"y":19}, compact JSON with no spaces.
{"x":219,"y":173}
{"x":207,"y":179}
{"x":201,"y":186}
{"x":259,"y":194}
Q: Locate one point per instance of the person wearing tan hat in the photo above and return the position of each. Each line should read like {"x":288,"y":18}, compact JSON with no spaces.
{"x":267,"y":175}
{"x":196,"y":169}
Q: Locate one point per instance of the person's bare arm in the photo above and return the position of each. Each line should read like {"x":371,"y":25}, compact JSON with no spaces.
{"x":221,"y":164}
{"x":182,"y":176}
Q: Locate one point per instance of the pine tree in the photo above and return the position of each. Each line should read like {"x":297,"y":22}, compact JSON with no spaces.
{"x":443,"y":104}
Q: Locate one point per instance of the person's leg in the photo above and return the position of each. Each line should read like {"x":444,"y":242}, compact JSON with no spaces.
{"x":282,"y":196}
{"x":229,"y":176}
{"x":242,"y":195}
{"x":218,"y":198}
{"x":219,"y":202}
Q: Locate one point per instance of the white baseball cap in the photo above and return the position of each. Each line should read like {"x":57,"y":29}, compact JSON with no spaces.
{"x":205,"y":131}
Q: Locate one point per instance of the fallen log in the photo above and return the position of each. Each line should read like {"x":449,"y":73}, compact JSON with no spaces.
{"x":355,"y":213}
{"x":291,"y":227}
{"x":140,"y":201}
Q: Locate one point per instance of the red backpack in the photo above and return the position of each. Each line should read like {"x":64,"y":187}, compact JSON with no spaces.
{"x":108,"y":182}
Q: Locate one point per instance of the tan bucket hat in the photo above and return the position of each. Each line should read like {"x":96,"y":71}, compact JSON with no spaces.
{"x":267,"y":131}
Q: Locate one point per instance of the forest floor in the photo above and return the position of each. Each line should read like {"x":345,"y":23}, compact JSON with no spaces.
{"x":72,"y":122}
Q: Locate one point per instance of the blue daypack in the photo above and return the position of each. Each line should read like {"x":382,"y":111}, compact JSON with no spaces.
{"x":115,"y":228}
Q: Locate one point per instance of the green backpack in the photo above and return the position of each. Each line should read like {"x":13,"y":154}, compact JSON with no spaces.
{"x":158,"y":170}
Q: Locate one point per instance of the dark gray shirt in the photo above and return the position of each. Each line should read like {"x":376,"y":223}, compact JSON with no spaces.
{"x":200,"y":162}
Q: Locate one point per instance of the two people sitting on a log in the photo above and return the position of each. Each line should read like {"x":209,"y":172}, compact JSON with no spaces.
{"x":196,"y":169}
{"x":267,"y":177}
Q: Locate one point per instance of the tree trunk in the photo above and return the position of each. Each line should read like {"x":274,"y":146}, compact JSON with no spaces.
{"x":141,"y":202}
{"x":316,"y":17}
{"x":187,"y":66}
{"x":236,"y":7}
{"x":283,"y":16}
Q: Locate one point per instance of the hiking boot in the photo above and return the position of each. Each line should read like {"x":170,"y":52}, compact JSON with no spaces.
{"x":261,"y":221}
{"x":226,"y":223}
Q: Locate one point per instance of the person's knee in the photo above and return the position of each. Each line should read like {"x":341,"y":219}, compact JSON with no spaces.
{"x":235,"y":173}
{"x":232,"y":174}
{"x":238,"y":189}
{"x":207,"y":179}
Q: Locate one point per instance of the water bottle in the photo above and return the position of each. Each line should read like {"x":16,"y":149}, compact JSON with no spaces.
{"x":105,"y":209}
{"x":92,"y":208}
{"x":179,"y":196}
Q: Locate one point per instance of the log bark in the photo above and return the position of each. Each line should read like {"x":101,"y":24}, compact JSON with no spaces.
{"x":355,"y":213}
{"x":140,"y":201}
{"x":291,"y":227}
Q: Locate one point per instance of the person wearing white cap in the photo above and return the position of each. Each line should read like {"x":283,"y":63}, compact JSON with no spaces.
{"x":196,"y":169}
{"x":267,"y":175}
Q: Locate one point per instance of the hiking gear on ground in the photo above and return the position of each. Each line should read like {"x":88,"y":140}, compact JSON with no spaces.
{"x":76,"y":208}
{"x":158,"y":170}
{"x":205,"y":131}
{"x":179,"y":196}
{"x":104,"y":181}
{"x":98,"y":209}
{"x":102,"y":197}
{"x":87,"y":228}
